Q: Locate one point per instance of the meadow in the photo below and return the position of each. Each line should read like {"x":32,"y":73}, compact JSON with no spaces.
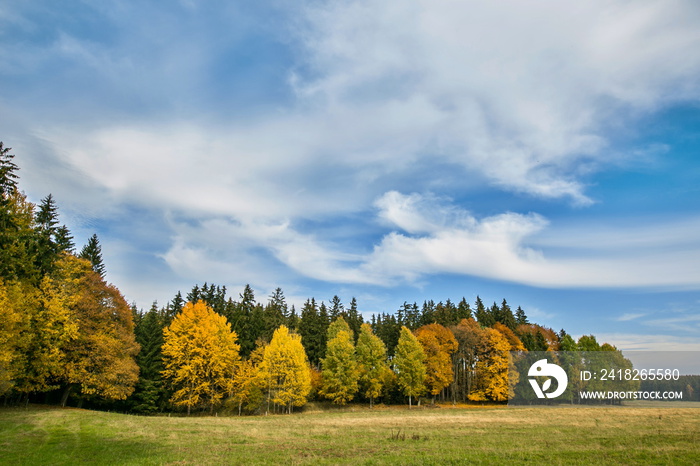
{"x":384,"y":435}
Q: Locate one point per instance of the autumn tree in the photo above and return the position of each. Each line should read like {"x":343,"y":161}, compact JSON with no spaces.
{"x":10,"y":327}
{"x":339,"y":367}
{"x":100,"y":359}
{"x":371,"y":361}
{"x":284,"y":371}
{"x":469,"y":336}
{"x":410,"y":365}
{"x":492,"y":367}
{"x":439,"y":344}
{"x":200,"y":355}
{"x":246,"y":388}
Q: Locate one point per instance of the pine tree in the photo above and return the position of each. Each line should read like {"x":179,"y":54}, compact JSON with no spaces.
{"x":483,"y":316}
{"x":8,"y":175}
{"x":371,"y":361}
{"x":410,"y":365}
{"x":92,"y":251}
{"x":149,"y":393}
{"x":506,"y":316}
{"x":275,"y":313}
{"x":464,"y":311}
{"x":520,"y":317}
{"x":354,"y":318}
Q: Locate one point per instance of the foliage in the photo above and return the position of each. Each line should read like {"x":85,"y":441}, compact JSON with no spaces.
{"x":372,"y":365}
{"x":439,"y":344}
{"x":200,"y":355}
{"x":92,"y":252}
{"x":284,"y":371}
{"x":410,"y":365}
{"x":340,"y":374}
{"x":492,"y":368}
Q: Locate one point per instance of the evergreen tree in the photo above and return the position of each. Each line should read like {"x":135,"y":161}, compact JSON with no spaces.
{"x":149,"y":394}
{"x":92,"y":251}
{"x":520,"y":317}
{"x":506,"y":316}
{"x":354,"y":318}
{"x":464,"y":311}
{"x":337,"y":309}
{"x":8,"y":175}
{"x":312,"y":328}
{"x":275,"y":313}
{"x":483,"y":316}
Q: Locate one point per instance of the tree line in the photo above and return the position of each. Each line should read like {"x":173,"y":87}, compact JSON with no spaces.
{"x":67,"y":336}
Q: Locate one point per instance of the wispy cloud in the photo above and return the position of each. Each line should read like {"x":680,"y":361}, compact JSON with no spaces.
{"x":628,"y":316}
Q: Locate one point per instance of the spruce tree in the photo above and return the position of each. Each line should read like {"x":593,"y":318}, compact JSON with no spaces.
{"x":92,"y":251}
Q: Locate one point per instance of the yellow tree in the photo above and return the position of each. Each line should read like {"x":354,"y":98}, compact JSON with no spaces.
{"x":245,"y":386}
{"x":200,"y":355}
{"x":10,"y":326}
{"x":439,"y":344}
{"x":492,"y":368}
{"x":339,"y":374}
{"x":410,"y":365}
{"x":371,"y":360}
{"x":284,"y":371}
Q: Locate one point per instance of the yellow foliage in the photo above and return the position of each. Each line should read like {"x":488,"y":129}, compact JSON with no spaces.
{"x":438,"y":343}
{"x":284,"y":372}
{"x":492,"y":368}
{"x":200,"y":356}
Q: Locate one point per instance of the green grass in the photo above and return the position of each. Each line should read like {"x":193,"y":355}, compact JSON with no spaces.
{"x":569,"y":435}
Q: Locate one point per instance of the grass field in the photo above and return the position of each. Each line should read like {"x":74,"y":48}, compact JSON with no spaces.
{"x":496,"y":435}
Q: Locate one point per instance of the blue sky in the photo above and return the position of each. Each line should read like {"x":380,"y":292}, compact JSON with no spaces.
{"x":392,"y":151}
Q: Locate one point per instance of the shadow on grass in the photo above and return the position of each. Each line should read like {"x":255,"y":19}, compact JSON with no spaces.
{"x":28,"y":443}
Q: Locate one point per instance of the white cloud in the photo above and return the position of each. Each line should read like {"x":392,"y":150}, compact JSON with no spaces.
{"x":524,"y":95}
{"x":654,"y":342}
{"x":628,"y":316}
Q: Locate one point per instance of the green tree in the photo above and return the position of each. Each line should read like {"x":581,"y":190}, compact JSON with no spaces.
{"x":92,"y":251}
{"x":373,"y":369}
{"x":339,"y":374}
{"x":149,"y":393}
{"x":410,"y":365}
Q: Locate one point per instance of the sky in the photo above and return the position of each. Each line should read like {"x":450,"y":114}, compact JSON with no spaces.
{"x":546,"y":153}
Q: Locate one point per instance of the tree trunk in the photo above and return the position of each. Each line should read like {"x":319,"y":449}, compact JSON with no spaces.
{"x":66,"y":394}
{"x":409,"y":402}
